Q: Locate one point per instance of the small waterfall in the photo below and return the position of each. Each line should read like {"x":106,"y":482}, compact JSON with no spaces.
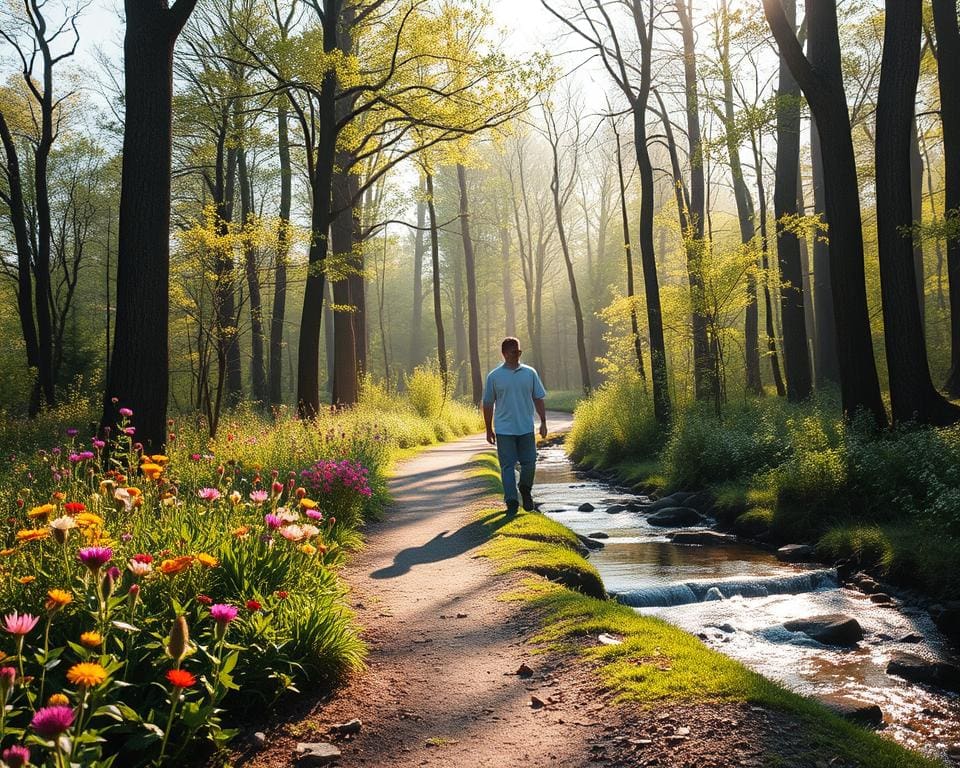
{"x":684,"y":593}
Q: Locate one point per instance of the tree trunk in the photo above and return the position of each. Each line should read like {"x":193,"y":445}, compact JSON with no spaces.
{"x":435,"y":261}
{"x":416,"y":322}
{"x":278,"y":315}
{"x":258,"y":373}
{"x":821,"y":80}
{"x":808,"y":315}
{"x":628,"y":254}
{"x":510,"y":311}
{"x":705,"y":374}
{"x":948,"y":75}
{"x":473,"y":332}
{"x":916,"y":197}
{"x":912,"y":394}
{"x":796,"y":360}
{"x":228,"y":342}
{"x":139,"y":370}
{"x":825,"y":348}
{"x":745,"y":212}
{"x":345,"y":373}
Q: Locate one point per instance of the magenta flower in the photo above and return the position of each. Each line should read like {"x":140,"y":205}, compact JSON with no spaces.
{"x":208,"y":494}
{"x":125,"y":412}
{"x":8,"y":676}
{"x":72,"y":431}
{"x":98,"y":444}
{"x":223,"y":613}
{"x":131,"y":431}
{"x":50,"y":722}
{"x":273,"y":522}
{"x":16,"y":756}
{"x":314,"y":514}
{"x":259,"y":496}
{"x":95,"y":557}
{"x":19,"y":624}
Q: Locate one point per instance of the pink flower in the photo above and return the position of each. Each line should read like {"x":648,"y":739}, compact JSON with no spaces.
{"x":223,"y":613}
{"x":208,"y":494}
{"x":314,"y":514}
{"x":292,"y":532}
{"x":95,"y":557}
{"x":131,"y":431}
{"x":125,"y":412}
{"x":49,"y":722}
{"x":19,"y":624}
{"x":8,"y":676}
{"x":273,"y":522}
{"x":259,"y":496}
{"x":16,"y":756}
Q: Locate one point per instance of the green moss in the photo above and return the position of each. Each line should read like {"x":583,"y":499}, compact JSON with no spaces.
{"x":487,"y":468}
{"x":754,"y":522}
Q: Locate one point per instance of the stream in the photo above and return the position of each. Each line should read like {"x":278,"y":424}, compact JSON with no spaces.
{"x":737,"y":597}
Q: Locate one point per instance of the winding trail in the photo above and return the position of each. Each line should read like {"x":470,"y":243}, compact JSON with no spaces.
{"x":438,"y":690}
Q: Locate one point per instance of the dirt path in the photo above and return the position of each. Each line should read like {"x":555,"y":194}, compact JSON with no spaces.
{"x":437,"y":691}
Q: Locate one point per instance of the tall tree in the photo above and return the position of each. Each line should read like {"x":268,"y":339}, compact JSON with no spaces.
{"x":416,"y":321}
{"x":473,"y":333}
{"x":827,"y":363}
{"x":139,"y":369}
{"x":820,"y":77}
{"x":796,"y":360}
{"x":912,"y":394}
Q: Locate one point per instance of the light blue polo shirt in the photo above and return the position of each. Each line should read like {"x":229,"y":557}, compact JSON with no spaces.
{"x":513,"y":390}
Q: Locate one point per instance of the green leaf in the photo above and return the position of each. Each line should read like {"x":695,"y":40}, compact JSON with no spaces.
{"x":124,"y":626}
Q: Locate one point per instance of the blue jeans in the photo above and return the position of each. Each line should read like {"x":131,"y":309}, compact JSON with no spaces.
{"x":512,"y":449}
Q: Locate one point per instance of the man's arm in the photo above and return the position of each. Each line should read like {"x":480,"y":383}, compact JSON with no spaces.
{"x":488,"y":421}
{"x":542,"y":413}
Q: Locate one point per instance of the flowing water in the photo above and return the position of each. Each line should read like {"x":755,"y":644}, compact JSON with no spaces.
{"x":737,"y":598}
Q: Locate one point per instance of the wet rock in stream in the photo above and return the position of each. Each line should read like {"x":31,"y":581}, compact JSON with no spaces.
{"x":829,"y":629}
{"x":701,"y":538}
{"x":586,"y":507}
{"x":861,"y":712}
{"x":796,"y":553}
{"x":918,"y":669}
{"x":675,"y":517}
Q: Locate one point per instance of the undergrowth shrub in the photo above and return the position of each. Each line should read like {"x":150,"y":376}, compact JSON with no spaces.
{"x":615,"y":423}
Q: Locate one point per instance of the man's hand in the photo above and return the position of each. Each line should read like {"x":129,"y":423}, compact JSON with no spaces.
{"x":491,"y":438}
{"x":543,"y":429}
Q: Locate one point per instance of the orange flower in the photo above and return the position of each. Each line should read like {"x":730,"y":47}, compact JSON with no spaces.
{"x":58,"y":700}
{"x":57,"y":599}
{"x":33,"y":534}
{"x":159,"y":458}
{"x":209,"y":561}
{"x":180,"y":678}
{"x":43,"y":511}
{"x":86,"y":674}
{"x":88,"y":520}
{"x":91,"y":639}
{"x":27,"y":579}
{"x":175,"y":565}
{"x":59,"y":495}
{"x":7,"y":552}
{"x":151,"y":470}
{"x":308,"y":549}
{"x":242,"y":531}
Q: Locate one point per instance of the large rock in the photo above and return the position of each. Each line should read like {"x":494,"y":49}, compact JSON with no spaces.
{"x":614,"y":509}
{"x":917,"y":669}
{"x":796,"y":553}
{"x":829,"y":629}
{"x":860,"y":712}
{"x":589,"y":543}
{"x":673,"y":500}
{"x":316,"y":753}
{"x":947,"y":618}
{"x":586,"y":507}
{"x":675,"y":517}
{"x":701,"y":538}
{"x":598,"y":535}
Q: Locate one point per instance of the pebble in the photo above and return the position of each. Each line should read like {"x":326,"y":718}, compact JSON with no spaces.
{"x":316,"y":753}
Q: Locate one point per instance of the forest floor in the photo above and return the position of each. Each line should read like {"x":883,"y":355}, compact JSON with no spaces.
{"x":440,"y":687}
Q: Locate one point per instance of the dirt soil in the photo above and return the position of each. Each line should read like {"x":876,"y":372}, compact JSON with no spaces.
{"x":441,"y":688}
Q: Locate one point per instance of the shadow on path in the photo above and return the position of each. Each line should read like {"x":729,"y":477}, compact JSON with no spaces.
{"x":443,"y":546}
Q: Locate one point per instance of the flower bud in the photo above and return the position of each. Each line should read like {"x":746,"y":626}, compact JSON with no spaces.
{"x":178,"y":643}
{"x":133,"y":596}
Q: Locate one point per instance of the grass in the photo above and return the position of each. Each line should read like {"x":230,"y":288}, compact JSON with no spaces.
{"x":564,"y":400}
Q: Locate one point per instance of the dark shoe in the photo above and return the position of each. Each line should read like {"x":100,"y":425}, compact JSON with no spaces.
{"x":527,"y":498}
{"x":512,"y":507}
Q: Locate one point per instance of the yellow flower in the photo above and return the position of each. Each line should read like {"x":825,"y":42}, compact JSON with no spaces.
{"x":306,"y":503}
{"x":88,"y":519}
{"x":27,"y":579}
{"x":58,"y":700}
{"x":43,"y":511}
{"x":86,"y":674}
{"x":208,"y":560}
{"x":32,"y":534}
{"x":57,"y":599}
{"x":176,"y":565}
{"x":159,"y":458}
{"x":91,"y":639}
{"x":151,"y":470}
{"x":308,"y":549}
{"x":7,"y":552}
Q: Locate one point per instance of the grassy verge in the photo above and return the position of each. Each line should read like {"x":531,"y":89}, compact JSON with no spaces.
{"x":656,"y":664}
{"x":564,"y":400}
{"x":783,"y":473}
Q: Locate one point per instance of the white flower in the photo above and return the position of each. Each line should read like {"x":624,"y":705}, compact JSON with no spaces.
{"x":139,"y":569}
{"x":292,"y":533}
{"x":64,"y":523}
{"x":124,"y":497}
{"x":309,"y":531}
{"x":286,"y":515}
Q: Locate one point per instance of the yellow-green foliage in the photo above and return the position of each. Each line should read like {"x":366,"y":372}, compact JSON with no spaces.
{"x":487,"y":468}
{"x":528,"y":541}
{"x":657,"y":662}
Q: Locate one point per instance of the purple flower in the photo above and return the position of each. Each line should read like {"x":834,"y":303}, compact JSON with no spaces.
{"x":125,"y":537}
{"x":125,"y":412}
{"x":16,"y":756}
{"x":223,"y":613}
{"x":72,"y":431}
{"x":273,"y":522}
{"x":208,"y":494}
{"x":95,"y":557}
{"x":98,"y":444}
{"x":49,"y":722}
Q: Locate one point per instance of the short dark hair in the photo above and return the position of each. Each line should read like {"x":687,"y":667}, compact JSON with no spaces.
{"x":510,"y":341}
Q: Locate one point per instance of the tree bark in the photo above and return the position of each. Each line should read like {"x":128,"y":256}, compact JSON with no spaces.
{"x":825,"y":347}
{"x":628,"y":254}
{"x":796,"y":360}
{"x":416,"y":322}
{"x":278,"y":314}
{"x":948,"y":76}
{"x":435,"y":261}
{"x":473,"y":332}
{"x":912,"y":394}
{"x":139,"y":370}
{"x":510,"y":311}
{"x":821,"y":80}
{"x":345,"y":373}
{"x":258,"y":371}
{"x":916,"y":197}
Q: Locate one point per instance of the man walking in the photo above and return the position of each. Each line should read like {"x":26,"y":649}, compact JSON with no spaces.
{"x":510,"y":396}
